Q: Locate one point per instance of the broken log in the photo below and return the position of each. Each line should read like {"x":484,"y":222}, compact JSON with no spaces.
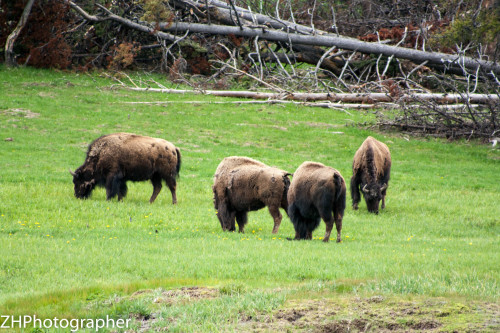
{"x":369,"y":98}
{"x":417,"y":56}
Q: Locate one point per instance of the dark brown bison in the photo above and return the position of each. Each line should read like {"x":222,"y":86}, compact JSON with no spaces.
{"x":114,"y":159}
{"x":316,"y":192}
{"x":371,"y":170}
{"x":242,"y":184}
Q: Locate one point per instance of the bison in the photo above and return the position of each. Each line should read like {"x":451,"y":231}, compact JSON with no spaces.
{"x":114,"y":159}
{"x":316,"y":192}
{"x":242,"y":184}
{"x":371,"y":170}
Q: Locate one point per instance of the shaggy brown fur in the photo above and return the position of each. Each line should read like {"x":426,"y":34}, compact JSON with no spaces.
{"x":115,"y":158}
{"x":316,"y":192}
{"x":371,"y":170}
{"x":242,"y":184}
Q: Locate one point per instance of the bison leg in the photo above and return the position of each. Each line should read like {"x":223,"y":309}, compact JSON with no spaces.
{"x":326,"y":215}
{"x":241,"y":218}
{"x":338,"y":224}
{"x":275,"y":213}
{"x":172,"y":185}
{"x":156,"y":181}
{"x":113,"y":185}
{"x":232,"y":225}
{"x":122,"y":192}
{"x":329,"y":227}
{"x":384,"y":192}
{"x":355,"y":195}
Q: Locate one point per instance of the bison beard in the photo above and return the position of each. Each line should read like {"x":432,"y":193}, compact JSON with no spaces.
{"x":114,"y":159}
{"x":316,"y":192}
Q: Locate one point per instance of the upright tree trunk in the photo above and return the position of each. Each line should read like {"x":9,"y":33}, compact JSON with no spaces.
{"x":10,"y":60}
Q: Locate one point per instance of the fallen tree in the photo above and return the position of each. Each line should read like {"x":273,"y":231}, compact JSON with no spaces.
{"x":417,"y":56}
{"x":344,"y":98}
{"x":285,"y":34}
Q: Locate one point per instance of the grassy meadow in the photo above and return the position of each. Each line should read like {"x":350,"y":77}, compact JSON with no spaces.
{"x":434,"y":249}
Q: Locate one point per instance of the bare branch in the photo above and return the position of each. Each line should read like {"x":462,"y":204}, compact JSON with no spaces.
{"x":11,"y":39}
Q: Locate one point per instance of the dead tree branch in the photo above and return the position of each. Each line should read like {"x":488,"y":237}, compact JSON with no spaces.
{"x":126,"y":22}
{"x":10,"y":60}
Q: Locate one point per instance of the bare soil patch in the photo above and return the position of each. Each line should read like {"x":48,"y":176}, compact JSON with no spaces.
{"x":376,"y":314}
{"x":187,"y":294}
{"x":25,"y":113}
{"x":335,"y":313}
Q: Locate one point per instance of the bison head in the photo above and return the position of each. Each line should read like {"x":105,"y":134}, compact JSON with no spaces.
{"x":373,"y":194}
{"x":84,"y":184}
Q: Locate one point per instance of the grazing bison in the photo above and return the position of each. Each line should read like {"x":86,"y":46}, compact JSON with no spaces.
{"x":317,"y":192}
{"x":113,"y":159}
{"x":371,"y":170}
{"x":242,"y":184}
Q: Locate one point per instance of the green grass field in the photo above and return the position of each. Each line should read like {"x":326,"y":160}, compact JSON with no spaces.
{"x":434,"y":249}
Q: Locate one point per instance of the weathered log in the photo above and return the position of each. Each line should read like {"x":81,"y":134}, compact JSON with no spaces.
{"x":344,"y":98}
{"x":340,"y":42}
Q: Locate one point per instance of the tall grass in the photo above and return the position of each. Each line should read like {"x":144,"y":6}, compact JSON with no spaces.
{"x":439,"y":234}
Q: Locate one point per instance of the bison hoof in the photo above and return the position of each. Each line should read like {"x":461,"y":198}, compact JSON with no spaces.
{"x":326,"y":240}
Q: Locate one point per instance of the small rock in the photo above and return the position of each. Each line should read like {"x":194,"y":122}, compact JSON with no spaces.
{"x":9,"y":139}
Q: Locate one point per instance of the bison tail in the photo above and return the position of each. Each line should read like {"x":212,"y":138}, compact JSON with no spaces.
{"x":178,"y":166}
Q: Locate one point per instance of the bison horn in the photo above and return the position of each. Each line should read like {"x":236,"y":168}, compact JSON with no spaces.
{"x":72,"y":173}
{"x":364,"y":188}
{"x":383,"y":187}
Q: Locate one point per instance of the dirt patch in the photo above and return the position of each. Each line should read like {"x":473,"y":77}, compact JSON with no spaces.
{"x":334,"y":327}
{"x":374,"y":314}
{"x":424,"y":325}
{"x":290,"y":316}
{"x":328,"y":312}
{"x":317,"y":124}
{"x":187,"y":294}
{"x":25,"y":113}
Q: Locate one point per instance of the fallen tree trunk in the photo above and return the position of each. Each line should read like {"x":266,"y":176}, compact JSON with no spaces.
{"x":344,"y":98}
{"x":440,"y":61}
{"x":271,"y":22}
{"x":263,"y":32}
{"x":326,"y":105}
{"x":417,"y":56}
